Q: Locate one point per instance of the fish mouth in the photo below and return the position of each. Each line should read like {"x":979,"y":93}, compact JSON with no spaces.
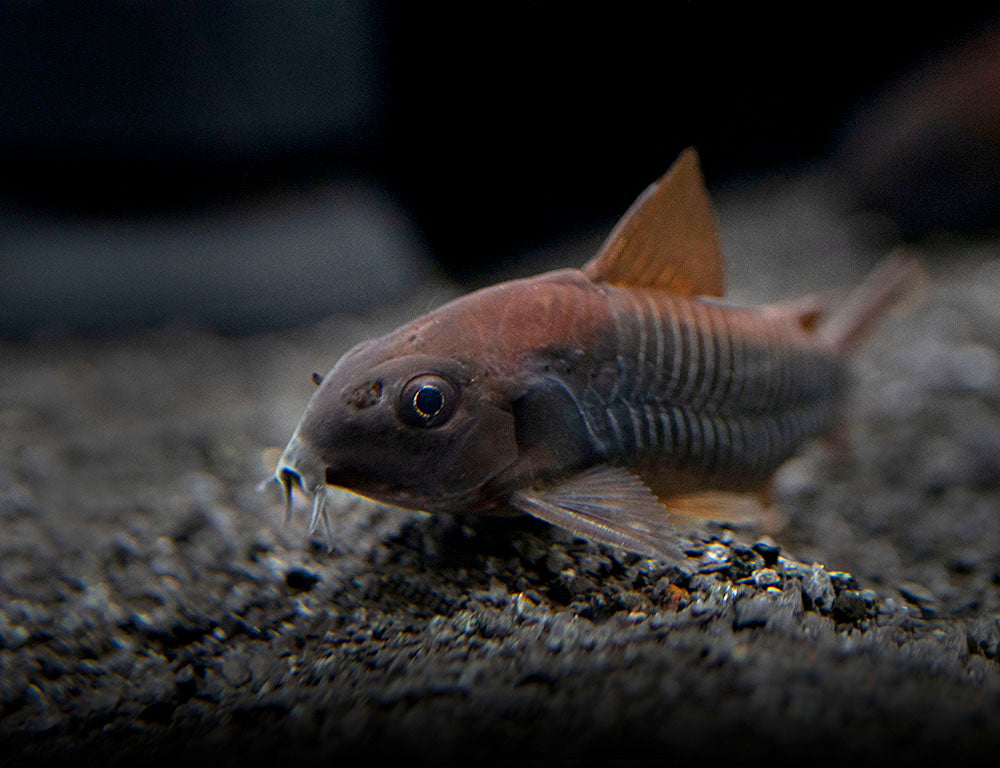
{"x":300,"y":467}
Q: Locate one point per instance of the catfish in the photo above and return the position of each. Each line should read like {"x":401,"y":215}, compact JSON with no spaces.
{"x":597,"y":399}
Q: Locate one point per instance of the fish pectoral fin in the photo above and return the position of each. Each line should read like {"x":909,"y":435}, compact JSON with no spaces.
{"x":668,"y":239}
{"x":605,"y":504}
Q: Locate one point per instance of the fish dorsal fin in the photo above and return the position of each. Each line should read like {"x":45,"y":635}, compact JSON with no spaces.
{"x":606,"y":504}
{"x":667,"y":239}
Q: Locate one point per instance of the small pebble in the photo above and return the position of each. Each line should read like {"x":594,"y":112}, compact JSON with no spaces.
{"x":716,"y":553}
{"x":983,"y":637}
{"x":13,"y":636}
{"x":842,"y":580}
{"x":766,"y":577}
{"x":715,"y":568}
{"x":524,"y":606}
{"x":792,"y":568}
{"x":965,"y":562}
{"x":848,"y":607}
{"x":753,"y":612}
{"x":916,"y":593}
{"x":818,"y":588}
{"x":236,"y":670}
{"x":768,"y":550}
{"x":888,"y":606}
{"x":700,"y":607}
{"x":694,"y":551}
{"x":300,"y":580}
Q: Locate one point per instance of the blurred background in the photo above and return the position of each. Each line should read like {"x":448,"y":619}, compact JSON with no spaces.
{"x":247,"y":166}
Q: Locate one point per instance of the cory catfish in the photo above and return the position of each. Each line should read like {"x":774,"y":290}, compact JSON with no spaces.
{"x":595,"y":399}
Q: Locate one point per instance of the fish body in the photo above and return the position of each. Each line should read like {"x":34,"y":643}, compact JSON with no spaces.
{"x":594,"y":399}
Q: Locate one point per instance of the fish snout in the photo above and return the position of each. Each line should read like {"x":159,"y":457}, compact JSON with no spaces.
{"x":300,"y":466}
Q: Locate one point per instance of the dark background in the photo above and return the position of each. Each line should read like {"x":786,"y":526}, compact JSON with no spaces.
{"x":491,"y":129}
{"x":247,"y":166}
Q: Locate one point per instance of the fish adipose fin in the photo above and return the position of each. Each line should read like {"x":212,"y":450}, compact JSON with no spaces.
{"x":806,"y":311}
{"x":668,"y":239}
{"x":605,"y":504}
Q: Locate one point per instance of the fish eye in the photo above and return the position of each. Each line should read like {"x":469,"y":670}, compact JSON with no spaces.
{"x":427,"y":401}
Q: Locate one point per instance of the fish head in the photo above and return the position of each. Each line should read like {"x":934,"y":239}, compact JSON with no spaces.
{"x":402,"y":426}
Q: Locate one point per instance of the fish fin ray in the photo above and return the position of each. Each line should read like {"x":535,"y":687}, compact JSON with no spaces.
{"x":605,"y":504}
{"x":668,"y":239}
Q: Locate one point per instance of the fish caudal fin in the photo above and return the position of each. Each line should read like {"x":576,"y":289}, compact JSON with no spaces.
{"x":899,"y":277}
{"x":605,"y":504}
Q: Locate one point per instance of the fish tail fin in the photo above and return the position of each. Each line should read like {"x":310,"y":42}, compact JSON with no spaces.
{"x":898,"y":277}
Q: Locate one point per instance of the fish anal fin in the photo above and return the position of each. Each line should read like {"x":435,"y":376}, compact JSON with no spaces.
{"x":765,"y":496}
{"x":720,"y":506}
{"x":668,"y":239}
{"x":605,"y":504}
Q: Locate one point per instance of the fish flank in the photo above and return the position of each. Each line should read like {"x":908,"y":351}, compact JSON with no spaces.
{"x":760,"y":453}
{"x":656,"y":440}
{"x":640,"y":355}
{"x":771,"y":354}
{"x":681,"y":355}
{"x":597,"y":445}
{"x":659,"y":332}
{"x":737,"y":381}
{"x":691,"y":353}
{"x":678,"y":433}
{"x":637,"y":429}
{"x":676,"y":345}
{"x":724,"y":378}
{"x":708,"y":357}
{"x":616,"y":433}
{"x":694,"y":433}
{"x":782,"y":359}
{"x":709,"y":441}
{"x":724,"y":443}
{"x":737,"y":396}
{"x":738,"y":443}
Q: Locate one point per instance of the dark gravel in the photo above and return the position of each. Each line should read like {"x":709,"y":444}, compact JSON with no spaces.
{"x":152,"y":606}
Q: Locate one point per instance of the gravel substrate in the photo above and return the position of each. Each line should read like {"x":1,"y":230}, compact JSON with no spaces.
{"x":152,"y":605}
